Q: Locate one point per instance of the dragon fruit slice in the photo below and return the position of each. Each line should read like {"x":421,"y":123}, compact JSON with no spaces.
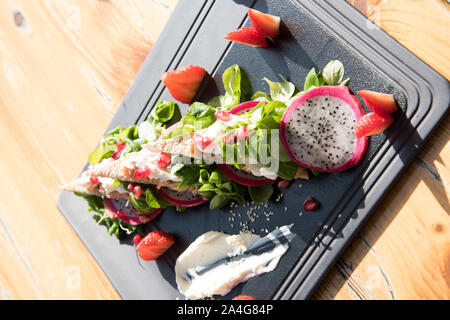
{"x":243,"y":177}
{"x":169,"y":130}
{"x":240,"y":176}
{"x":317,"y":129}
{"x":244,"y":107}
{"x":128,"y":214}
{"x":180,"y":198}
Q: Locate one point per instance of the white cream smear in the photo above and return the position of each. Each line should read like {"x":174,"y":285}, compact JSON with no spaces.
{"x":216,"y":262}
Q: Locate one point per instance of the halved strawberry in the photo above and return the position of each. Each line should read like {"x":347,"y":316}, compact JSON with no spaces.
{"x":154,"y":245}
{"x":265,"y":23}
{"x":248,"y":36}
{"x":183,"y":83}
{"x":372,"y":123}
{"x":381,"y":103}
{"x":243,"y":297}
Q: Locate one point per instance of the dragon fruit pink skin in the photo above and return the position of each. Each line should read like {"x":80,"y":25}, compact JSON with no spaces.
{"x":180,"y":198}
{"x":244,"y":107}
{"x":129,"y":215}
{"x":303,"y":130}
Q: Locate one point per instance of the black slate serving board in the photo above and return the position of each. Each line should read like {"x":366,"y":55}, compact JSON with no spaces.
{"x":313,"y":32}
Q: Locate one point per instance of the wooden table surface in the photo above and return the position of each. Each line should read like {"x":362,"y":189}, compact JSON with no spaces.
{"x":65,"y":67}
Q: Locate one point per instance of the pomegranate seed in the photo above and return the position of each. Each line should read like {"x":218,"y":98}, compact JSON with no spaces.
{"x":284,"y":183}
{"x":142,"y":173}
{"x":222,"y":115}
{"x":137,"y":239}
{"x":130,"y":187}
{"x":200,"y":141}
{"x":163,"y":161}
{"x":310,"y":204}
{"x":120,"y":146}
{"x":229,"y":138}
{"x":94,"y":180}
{"x":243,"y":133}
{"x":137,"y":192}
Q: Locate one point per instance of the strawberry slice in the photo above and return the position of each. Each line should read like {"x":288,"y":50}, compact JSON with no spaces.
{"x":243,"y":297}
{"x":154,"y":245}
{"x":372,"y":123}
{"x":265,"y":23}
{"x":248,"y":36}
{"x":183,"y":83}
{"x":381,"y":103}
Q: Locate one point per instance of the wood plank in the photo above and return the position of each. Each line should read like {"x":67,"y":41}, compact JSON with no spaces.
{"x":403,"y":252}
{"x":66,"y":66}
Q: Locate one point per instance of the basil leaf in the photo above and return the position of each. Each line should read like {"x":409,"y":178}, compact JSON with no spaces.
{"x":333,"y":72}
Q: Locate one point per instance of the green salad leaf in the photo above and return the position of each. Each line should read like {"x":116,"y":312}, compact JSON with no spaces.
{"x":115,"y":226}
{"x":312,"y":80}
{"x":165,"y":114}
{"x":333,"y":73}
{"x":281,"y":91}
{"x":199,"y":116}
{"x":237,"y":88}
{"x":261,"y":194}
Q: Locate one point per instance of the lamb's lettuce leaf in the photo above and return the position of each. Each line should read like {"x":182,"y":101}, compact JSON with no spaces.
{"x":199,"y":116}
{"x":261,"y":194}
{"x":115,"y":226}
{"x":237,"y":88}
{"x":281,"y":91}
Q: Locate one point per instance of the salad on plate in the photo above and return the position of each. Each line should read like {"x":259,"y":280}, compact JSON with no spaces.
{"x":235,"y":148}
